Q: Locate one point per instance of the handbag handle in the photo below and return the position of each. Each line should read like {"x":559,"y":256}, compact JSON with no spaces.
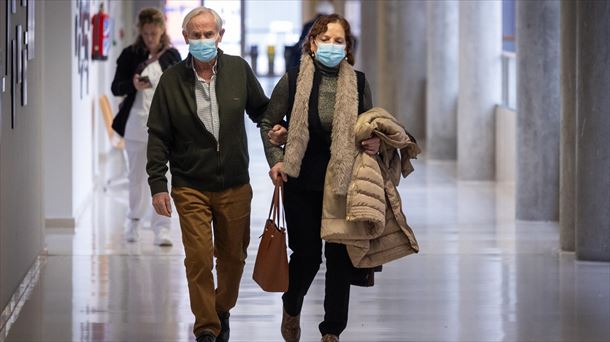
{"x":276,"y":207}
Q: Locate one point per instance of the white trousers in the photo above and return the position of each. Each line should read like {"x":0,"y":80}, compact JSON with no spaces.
{"x":140,"y":200}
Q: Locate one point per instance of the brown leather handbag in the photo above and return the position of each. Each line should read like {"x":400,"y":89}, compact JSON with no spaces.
{"x":271,"y":266}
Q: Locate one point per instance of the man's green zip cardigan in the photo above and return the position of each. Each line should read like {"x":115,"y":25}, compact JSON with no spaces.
{"x":176,"y":134}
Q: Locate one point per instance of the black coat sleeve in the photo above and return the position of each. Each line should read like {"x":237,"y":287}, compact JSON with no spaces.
{"x":169,"y":58}
{"x":122,"y":84}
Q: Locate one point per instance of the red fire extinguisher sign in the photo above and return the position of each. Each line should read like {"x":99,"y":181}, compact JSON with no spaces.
{"x":101,"y":36}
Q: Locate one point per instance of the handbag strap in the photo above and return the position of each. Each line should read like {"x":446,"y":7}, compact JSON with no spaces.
{"x":140,"y":68}
{"x":274,"y":204}
{"x":281,"y":201}
{"x":276,"y":210}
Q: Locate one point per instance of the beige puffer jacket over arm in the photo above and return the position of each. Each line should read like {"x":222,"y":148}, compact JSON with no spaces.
{"x":369,"y":219}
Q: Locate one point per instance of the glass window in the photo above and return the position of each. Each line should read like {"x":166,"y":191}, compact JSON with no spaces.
{"x":267,"y":32}
{"x":509,"y":61}
{"x":508,"y":25}
{"x":271,"y":25}
{"x":175,"y":11}
{"x":230,"y":12}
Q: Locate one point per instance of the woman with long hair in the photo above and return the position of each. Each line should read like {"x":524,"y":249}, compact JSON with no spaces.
{"x":139,"y":68}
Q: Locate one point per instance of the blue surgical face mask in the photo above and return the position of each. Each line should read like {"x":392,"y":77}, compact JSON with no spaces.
{"x":203,"y":49}
{"x":330,"y":54}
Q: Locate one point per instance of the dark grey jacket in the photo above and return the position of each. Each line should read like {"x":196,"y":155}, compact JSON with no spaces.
{"x":176,"y":134}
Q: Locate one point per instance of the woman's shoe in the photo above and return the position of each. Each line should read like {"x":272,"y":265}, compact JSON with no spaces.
{"x":131,"y":232}
{"x":330,"y":338}
{"x":162,"y":238}
{"x":291,"y":327}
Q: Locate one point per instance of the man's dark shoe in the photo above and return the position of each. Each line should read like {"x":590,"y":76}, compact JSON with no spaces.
{"x":224,"y":327}
{"x":206,"y":337}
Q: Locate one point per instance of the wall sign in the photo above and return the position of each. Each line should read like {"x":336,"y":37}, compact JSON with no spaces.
{"x":16,"y":49}
{"x":82,"y":28}
{"x":7,"y":42}
{"x":31,"y":28}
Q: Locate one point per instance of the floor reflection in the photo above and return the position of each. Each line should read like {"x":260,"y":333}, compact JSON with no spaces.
{"x":480,"y":276}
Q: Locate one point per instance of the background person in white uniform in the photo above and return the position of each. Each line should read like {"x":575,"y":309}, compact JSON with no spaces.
{"x":139,"y":68}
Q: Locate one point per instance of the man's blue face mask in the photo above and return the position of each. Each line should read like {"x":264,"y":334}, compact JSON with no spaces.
{"x":203,"y":49}
{"x":330,"y":54}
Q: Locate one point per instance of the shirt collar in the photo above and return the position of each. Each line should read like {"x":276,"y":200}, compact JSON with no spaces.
{"x":214,"y":69}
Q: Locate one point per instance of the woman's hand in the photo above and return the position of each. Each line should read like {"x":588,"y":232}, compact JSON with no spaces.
{"x":140,"y":84}
{"x":371,"y":145}
{"x":278,"y":135}
{"x":277,"y":174}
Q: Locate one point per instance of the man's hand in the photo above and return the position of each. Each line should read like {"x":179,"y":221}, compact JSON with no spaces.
{"x":278,"y":135}
{"x":141,"y":84}
{"x":371,"y":145}
{"x":277,"y":174}
{"x":162,"y":204}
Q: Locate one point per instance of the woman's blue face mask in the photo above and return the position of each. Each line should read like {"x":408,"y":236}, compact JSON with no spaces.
{"x":203,"y":49}
{"x":330,"y":54}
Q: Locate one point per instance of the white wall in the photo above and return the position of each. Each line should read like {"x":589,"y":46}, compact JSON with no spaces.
{"x":57,"y":145}
{"x":83,"y":110}
{"x":123,"y":15}
{"x":74,"y":134}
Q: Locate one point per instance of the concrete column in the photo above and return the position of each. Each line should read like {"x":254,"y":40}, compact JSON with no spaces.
{"x":480,"y":87}
{"x":368,"y":44}
{"x":593,"y":127}
{"x":442,"y":80}
{"x":567,"y":148}
{"x":388,"y":77}
{"x":409,"y":69}
{"x":393,"y":53}
{"x":378,"y":51}
{"x":538,"y":129}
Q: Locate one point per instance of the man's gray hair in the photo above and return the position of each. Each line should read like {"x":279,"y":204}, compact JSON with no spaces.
{"x":199,"y":10}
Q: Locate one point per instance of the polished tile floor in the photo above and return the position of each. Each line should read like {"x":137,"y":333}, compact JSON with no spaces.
{"x":480,"y":276}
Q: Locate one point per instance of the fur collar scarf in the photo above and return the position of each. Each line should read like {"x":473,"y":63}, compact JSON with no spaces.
{"x":343,"y":148}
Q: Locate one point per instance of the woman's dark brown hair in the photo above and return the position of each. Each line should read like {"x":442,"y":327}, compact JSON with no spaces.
{"x":321,"y":25}
{"x":151,"y":16}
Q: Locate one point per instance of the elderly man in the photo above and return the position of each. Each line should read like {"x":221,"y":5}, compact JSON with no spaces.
{"x":197,"y":123}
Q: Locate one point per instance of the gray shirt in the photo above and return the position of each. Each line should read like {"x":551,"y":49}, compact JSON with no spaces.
{"x":207,"y":106}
